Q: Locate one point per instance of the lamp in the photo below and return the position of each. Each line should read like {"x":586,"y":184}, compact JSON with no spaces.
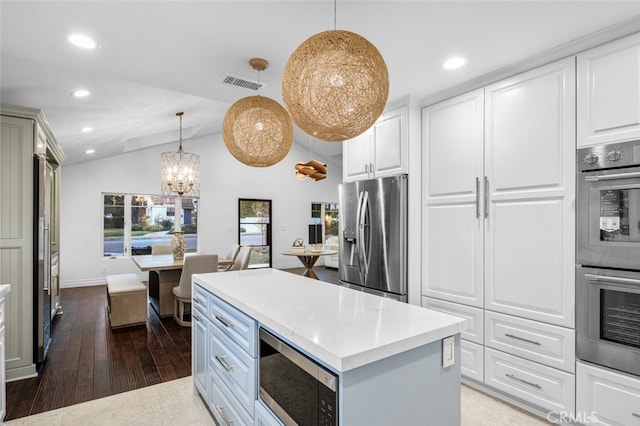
{"x":257,"y":130}
{"x":180,"y":171}
{"x":335,"y":85}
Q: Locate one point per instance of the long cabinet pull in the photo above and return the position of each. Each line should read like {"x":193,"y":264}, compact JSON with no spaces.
{"x":635,"y":415}
{"x":523,"y":339}
{"x":486,"y":197}
{"x":197,"y":317}
{"x":224,"y":321}
{"x":225,"y":419}
{"x":518,"y":379}
{"x":366,"y":168}
{"x":223,"y":363}
{"x":477,"y":198}
{"x":197,"y":300}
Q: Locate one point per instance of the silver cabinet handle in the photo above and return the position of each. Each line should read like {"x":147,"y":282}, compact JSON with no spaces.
{"x":635,"y":415}
{"x":372,"y":168}
{"x":223,"y":363}
{"x":477,"y":198}
{"x":523,"y":339}
{"x":197,"y":317}
{"x":224,"y":321}
{"x":518,"y":379}
{"x":366,"y":168}
{"x":197,"y":300}
{"x":486,"y":197}
{"x":225,"y":419}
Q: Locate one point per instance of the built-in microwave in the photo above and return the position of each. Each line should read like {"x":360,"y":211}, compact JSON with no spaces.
{"x":296,"y":388}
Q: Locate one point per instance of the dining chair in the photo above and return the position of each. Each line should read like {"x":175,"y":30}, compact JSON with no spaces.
{"x":242,"y":259}
{"x":193,"y":264}
{"x":231,"y":254}
{"x":161,"y":249}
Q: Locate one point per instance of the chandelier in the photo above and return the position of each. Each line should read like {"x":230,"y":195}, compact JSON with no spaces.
{"x":180,"y":171}
{"x":257,"y":130}
{"x":335,"y":85}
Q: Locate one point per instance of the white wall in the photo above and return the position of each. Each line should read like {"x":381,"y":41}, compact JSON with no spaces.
{"x":223,"y":180}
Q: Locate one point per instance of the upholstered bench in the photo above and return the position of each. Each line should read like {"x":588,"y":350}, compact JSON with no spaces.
{"x":126,"y":300}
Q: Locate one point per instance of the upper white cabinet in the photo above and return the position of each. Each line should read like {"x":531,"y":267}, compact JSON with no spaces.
{"x":453,"y":217}
{"x":609,"y":92}
{"x":380,"y":151}
{"x":530,"y":188}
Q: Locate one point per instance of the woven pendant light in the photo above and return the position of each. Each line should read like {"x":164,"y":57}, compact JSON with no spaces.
{"x":335,"y":85}
{"x":257,"y":130}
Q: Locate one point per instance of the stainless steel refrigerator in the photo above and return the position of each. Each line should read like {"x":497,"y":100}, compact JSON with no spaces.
{"x":373,"y":236}
{"x":42,"y":261}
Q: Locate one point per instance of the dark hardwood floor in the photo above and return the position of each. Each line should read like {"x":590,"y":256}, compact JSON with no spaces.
{"x":88,"y":360}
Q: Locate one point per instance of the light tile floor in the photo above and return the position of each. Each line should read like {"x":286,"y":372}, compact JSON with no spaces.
{"x":174,"y":403}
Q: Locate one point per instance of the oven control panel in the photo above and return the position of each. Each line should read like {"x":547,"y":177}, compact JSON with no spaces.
{"x":609,"y":156}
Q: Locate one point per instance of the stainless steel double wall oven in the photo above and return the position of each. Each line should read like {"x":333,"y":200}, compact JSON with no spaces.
{"x":608,"y":256}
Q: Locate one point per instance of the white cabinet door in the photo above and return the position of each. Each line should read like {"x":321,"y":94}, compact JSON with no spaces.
{"x":609,"y":92}
{"x":199,"y":332}
{"x":390,"y":147}
{"x":357,"y":157}
{"x":529,"y":152}
{"x":453,"y":216}
{"x":3,"y":394}
{"x":604,"y":397}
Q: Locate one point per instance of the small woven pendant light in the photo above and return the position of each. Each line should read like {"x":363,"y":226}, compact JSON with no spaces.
{"x":335,"y":85}
{"x":257,"y":130}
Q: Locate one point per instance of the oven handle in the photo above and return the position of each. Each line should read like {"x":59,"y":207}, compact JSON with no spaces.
{"x":618,"y":280}
{"x":596,"y":178}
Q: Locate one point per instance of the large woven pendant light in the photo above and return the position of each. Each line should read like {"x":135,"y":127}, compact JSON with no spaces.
{"x":257,"y":130}
{"x":335,"y":85}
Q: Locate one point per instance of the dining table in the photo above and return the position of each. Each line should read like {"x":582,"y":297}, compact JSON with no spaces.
{"x":308,"y":258}
{"x":164,"y":274}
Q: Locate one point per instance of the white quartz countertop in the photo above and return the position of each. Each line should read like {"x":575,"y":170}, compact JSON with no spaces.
{"x":4,"y":289}
{"x":341,"y":327}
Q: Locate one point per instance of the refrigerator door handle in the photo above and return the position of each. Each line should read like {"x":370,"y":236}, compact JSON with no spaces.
{"x":362,"y":252}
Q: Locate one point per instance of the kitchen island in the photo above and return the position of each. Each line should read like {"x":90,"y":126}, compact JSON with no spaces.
{"x":387,"y":355}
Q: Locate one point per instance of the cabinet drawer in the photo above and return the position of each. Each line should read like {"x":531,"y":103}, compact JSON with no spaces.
{"x":223,"y":405}
{"x":544,"y":343}
{"x":472,"y":360}
{"x":474,"y":332}
{"x":264,"y":416}
{"x":200,"y":299}
{"x":605,"y":397}
{"x":236,"y":325}
{"x":537,"y":384}
{"x":235,"y":366}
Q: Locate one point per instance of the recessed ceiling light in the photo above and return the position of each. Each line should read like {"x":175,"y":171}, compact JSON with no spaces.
{"x":454,"y":63}
{"x":81,"y":93}
{"x":90,"y":151}
{"x":82,"y":41}
{"x":86,"y":129}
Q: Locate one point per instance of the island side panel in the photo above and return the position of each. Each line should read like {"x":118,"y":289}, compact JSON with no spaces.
{"x":411,"y":388}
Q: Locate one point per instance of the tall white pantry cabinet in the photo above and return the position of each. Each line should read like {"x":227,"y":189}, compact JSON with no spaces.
{"x":498,"y":221}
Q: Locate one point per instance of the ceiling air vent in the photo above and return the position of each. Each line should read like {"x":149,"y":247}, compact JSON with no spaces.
{"x":241,"y":82}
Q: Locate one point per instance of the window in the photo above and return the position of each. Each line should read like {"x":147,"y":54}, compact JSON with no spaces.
{"x":325,"y":214}
{"x":133,"y":223}
{"x":255,"y":230}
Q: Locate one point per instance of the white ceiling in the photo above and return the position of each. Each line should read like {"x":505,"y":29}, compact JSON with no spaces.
{"x":156,"y":58}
